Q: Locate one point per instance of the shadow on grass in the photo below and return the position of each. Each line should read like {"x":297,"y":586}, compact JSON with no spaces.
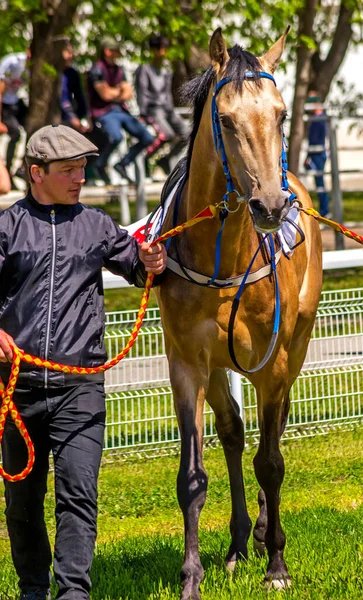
{"x":324,"y":552}
{"x":136,"y":568}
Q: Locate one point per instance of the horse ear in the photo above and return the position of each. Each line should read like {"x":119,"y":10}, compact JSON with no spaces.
{"x":218,"y":49}
{"x":273,"y":55}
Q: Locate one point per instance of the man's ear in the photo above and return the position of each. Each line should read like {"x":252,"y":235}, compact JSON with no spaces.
{"x":36,"y":173}
{"x":218,"y":50}
{"x":271,"y":59}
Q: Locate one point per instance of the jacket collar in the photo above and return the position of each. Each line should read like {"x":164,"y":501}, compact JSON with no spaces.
{"x":47,"y":208}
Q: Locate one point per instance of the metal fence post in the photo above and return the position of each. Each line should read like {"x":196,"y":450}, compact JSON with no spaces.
{"x":336,"y":191}
{"x":124,"y":204}
{"x":141,"y":206}
{"x":236,"y":390}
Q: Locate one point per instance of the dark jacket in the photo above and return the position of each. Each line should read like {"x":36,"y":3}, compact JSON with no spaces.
{"x":51,"y":291}
{"x":73,"y":101}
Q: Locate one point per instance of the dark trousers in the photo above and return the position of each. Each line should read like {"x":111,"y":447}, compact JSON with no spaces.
{"x":112,"y":123}
{"x":176,"y":129}
{"x":13,"y":116}
{"x":69,"y":422}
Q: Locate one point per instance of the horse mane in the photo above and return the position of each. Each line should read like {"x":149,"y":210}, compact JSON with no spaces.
{"x":195,"y":92}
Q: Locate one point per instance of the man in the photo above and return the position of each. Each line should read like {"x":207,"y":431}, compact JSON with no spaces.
{"x":155,"y":100}
{"x":52,"y":250}
{"x":108,"y":91}
{"x":73,"y":101}
{"x":13,"y":68}
{"x":316,"y":157}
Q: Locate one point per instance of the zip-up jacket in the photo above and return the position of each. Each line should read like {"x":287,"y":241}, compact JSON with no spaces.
{"x":51,"y":290}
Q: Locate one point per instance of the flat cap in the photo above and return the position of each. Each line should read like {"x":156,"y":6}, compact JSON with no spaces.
{"x":58,"y":142}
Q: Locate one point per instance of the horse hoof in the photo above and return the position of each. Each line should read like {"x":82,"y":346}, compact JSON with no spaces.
{"x":280,"y":583}
{"x":231,"y":565}
{"x":259,"y":547}
{"x":190,"y":595}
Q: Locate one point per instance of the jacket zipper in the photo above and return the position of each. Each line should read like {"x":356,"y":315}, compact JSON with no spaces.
{"x":51,"y":295}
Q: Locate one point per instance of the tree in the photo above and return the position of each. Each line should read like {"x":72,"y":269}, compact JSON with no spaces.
{"x":311,"y":70}
{"x":188,"y":23}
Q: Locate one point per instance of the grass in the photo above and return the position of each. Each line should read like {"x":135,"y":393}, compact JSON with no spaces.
{"x":140,"y":542}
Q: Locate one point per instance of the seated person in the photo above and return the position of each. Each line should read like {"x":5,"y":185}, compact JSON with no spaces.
{"x":155,"y":100}
{"x":73,"y":101}
{"x":108,"y":91}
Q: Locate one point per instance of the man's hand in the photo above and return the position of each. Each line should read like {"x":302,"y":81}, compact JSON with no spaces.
{"x":153,"y":257}
{"x":3,"y":128}
{"x":126,"y":91}
{"x":6,"y":353}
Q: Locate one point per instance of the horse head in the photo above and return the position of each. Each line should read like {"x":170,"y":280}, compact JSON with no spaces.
{"x":251,"y":112}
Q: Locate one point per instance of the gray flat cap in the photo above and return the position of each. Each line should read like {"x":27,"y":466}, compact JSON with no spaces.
{"x":58,"y":142}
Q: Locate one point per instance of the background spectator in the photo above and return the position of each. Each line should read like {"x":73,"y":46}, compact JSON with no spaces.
{"x":73,"y":100}
{"x":316,"y":157}
{"x":108,"y":92}
{"x":13,"y":70}
{"x":155,"y":100}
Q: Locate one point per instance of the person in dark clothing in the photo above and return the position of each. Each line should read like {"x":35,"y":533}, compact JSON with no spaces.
{"x":73,"y":101}
{"x":316,"y":157}
{"x":52,"y":251}
{"x":154,"y":96}
{"x":13,"y":111}
{"x":108,"y":91}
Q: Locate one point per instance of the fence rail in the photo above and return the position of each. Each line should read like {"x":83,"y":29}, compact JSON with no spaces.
{"x":140,"y":413}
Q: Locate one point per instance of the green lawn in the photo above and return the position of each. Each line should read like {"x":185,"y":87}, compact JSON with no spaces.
{"x":140,"y":542}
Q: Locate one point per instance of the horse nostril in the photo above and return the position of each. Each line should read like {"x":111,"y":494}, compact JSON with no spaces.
{"x":258,"y":208}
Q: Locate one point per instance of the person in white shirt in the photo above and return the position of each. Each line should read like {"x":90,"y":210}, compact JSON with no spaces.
{"x":13,"y":75}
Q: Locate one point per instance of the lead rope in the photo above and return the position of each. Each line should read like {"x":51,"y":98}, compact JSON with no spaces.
{"x":6,"y":393}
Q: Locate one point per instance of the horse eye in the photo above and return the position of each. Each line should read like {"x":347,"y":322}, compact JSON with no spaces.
{"x":283,"y":117}
{"x":227,"y":122}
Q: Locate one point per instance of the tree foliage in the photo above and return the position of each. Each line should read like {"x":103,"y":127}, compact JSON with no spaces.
{"x":321,"y":32}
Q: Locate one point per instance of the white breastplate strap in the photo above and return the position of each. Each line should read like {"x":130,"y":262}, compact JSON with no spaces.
{"x":174,"y":266}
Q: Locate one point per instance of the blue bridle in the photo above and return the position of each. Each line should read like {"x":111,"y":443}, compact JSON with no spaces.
{"x":218,"y":139}
{"x":230,"y":189}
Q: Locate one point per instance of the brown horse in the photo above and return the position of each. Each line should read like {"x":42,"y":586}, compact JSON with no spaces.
{"x":196,"y":318}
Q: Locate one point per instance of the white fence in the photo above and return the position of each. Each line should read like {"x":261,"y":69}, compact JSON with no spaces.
{"x":140,"y":413}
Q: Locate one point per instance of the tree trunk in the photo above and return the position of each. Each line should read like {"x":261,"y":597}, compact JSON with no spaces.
{"x":315,"y":73}
{"x":324,"y":71}
{"x":47,"y":62}
{"x":303,"y":67}
{"x":197,"y":59}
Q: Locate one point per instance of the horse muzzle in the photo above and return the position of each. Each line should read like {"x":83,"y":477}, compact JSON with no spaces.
{"x":267,"y":215}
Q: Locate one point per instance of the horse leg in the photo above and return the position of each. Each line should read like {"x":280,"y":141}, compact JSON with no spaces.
{"x":269,"y":469}
{"x":192,"y":480}
{"x":259,"y":530}
{"x":230,"y":431}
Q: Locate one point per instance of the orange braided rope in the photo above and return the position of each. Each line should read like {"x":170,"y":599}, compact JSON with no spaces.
{"x":8,"y":405}
{"x":337,"y":226}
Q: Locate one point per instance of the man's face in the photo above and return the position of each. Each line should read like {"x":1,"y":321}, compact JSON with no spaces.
{"x":68,"y":54}
{"x":112,"y":55}
{"x":62,"y":184}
